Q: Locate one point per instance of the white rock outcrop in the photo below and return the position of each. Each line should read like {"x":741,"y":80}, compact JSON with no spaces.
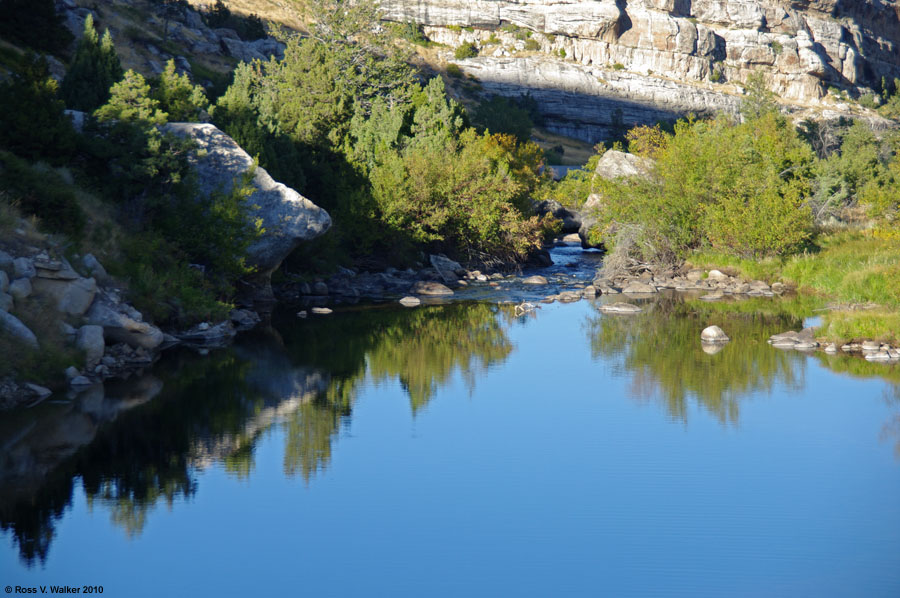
{"x":601,"y":65}
{"x":287,"y":217}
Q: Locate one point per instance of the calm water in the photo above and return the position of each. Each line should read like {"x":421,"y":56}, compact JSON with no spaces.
{"x":459,"y":450}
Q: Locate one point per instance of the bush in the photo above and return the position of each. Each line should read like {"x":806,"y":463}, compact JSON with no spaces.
{"x":454,"y":71}
{"x":466,"y":50}
{"x":618,"y":66}
{"x":738,"y":188}
{"x":532,"y":45}
{"x":562,"y":52}
{"x":42,"y":193}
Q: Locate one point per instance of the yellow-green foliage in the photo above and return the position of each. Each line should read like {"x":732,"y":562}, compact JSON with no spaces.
{"x":737,"y":188}
{"x":877,"y":325}
{"x":850,"y":268}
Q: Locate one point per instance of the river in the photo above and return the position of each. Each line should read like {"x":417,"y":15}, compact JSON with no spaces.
{"x":460,"y":449}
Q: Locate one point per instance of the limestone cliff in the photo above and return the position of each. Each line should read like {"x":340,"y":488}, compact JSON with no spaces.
{"x":597,"y":65}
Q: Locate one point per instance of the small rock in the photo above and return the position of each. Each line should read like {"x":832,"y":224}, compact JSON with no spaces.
{"x":717,"y":275}
{"x":831,"y":348}
{"x":301,"y":313}
{"x":637,"y":288}
{"x":244,"y":319}
{"x":410,"y":301}
{"x":424,"y":287}
{"x":94,"y":267}
{"x":569,"y":297}
{"x":40,"y":391}
{"x":320,"y":288}
{"x":536,"y":279}
{"x":713,"y":334}
{"x":620,"y":308}
{"x":590,"y":291}
{"x":6,"y":302}
{"x":80,"y":381}
{"x":877,"y":356}
{"x":778,"y":287}
{"x":714,"y":296}
{"x":871,"y":346}
{"x":72,"y":373}
{"x":108,"y":361}
{"x":203,"y":326}
{"x":23,"y":268}
{"x":320,"y":310}
{"x":694,"y":275}
{"x":20,"y":289}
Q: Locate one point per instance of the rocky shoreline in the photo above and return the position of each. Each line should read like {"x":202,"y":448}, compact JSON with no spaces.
{"x":116,"y":341}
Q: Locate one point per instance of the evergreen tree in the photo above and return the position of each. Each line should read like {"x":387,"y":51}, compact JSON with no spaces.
{"x":94,"y":69}
{"x":177,"y":96}
{"x":130,"y":101}
{"x":32,"y":121}
{"x":34,"y":23}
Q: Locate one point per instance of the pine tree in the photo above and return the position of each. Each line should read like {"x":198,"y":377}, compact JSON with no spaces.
{"x":93,"y":71}
{"x":34,"y":23}
{"x":177,"y":96}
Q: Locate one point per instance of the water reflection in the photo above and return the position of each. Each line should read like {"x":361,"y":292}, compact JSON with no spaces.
{"x":132,"y":453}
{"x":660,"y":351}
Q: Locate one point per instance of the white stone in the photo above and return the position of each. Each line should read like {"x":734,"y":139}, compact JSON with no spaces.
{"x":410,"y":301}
{"x":713,"y":334}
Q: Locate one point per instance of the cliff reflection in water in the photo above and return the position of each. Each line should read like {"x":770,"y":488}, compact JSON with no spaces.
{"x":660,"y":351}
{"x":140,"y":444}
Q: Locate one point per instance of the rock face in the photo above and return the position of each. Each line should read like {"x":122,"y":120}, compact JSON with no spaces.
{"x":607,"y":64}
{"x":287,"y":217}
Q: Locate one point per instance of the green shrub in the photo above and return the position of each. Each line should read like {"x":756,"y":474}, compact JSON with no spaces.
{"x":492,"y":40}
{"x":776,"y":47}
{"x":42,"y":193}
{"x":454,"y":71}
{"x":562,"y":52}
{"x":532,"y":45}
{"x":618,"y":66}
{"x":738,"y":188}
{"x":466,"y":50}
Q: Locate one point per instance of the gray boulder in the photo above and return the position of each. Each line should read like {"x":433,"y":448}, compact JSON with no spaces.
{"x":638,"y":287}
{"x":536,"y":279}
{"x":16,"y":328}
{"x":23,"y":268}
{"x":612,"y":165}
{"x":121,"y":325}
{"x":287,"y":217}
{"x":424,"y":287}
{"x":6,"y":302}
{"x":713,"y":334}
{"x":571,"y":219}
{"x":447,"y":269}
{"x":4,"y":282}
{"x":20,"y":289}
{"x":90,"y":340}
{"x":243,"y":51}
{"x":72,"y":296}
{"x":620,"y":308}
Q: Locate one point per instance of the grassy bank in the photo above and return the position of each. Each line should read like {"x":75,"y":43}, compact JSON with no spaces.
{"x":858,"y":275}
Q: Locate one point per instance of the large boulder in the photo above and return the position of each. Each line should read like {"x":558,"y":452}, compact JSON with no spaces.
{"x":12,"y":325}
{"x":287,"y":217}
{"x":122,"y":323}
{"x":449,"y":271}
{"x":571,"y":219}
{"x":612,"y":165}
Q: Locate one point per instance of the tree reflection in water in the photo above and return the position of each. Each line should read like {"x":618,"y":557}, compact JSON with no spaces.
{"x":131,"y":453}
{"x":660,"y":351}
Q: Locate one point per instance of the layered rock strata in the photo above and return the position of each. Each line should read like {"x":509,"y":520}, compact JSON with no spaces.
{"x":597,"y":65}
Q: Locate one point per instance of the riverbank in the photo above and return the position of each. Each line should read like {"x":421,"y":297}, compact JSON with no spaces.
{"x":855,"y":276}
